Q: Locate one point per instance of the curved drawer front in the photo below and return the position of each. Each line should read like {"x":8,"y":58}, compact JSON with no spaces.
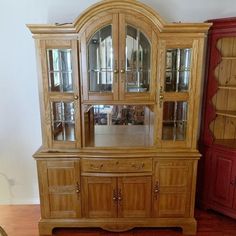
{"x":117,"y":165}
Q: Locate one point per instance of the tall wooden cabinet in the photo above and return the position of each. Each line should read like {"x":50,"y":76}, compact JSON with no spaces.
{"x":218,"y":139}
{"x":119,"y":88}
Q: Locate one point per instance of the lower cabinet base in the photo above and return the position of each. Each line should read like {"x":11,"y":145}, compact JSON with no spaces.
{"x":188,"y":225}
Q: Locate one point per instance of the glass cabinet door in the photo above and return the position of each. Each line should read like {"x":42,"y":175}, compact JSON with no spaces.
{"x":178,"y":62}
{"x":60,"y":70}
{"x":62,"y":94}
{"x":101,"y":61}
{"x":63,"y":121}
{"x":116,"y":60}
{"x":174,"y":120}
{"x":175,"y":98}
{"x":137,"y":61}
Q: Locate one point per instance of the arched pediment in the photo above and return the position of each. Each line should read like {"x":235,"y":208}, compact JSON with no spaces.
{"x":114,"y":5}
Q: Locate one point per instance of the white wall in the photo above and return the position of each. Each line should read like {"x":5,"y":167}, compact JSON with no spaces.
{"x":20,"y":133}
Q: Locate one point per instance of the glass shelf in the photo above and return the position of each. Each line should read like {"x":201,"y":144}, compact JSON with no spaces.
{"x":228,"y":58}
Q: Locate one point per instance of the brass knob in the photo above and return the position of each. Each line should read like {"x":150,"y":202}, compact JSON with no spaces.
{"x":114,"y":195}
{"x":77,"y":187}
{"x":161,"y":97}
{"x":122,"y":71}
{"x":115,"y":71}
{"x":76,"y":97}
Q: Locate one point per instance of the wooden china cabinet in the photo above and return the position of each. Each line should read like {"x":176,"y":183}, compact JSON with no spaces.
{"x":218,"y":139}
{"x":119,"y":91}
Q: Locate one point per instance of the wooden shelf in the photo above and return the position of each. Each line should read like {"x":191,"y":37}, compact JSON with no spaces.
{"x":226,"y":113}
{"x":228,"y":58}
{"x":229,"y":87}
{"x":229,"y":143}
{"x":121,"y":136}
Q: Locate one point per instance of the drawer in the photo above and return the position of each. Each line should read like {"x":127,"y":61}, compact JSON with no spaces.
{"x":116,"y":165}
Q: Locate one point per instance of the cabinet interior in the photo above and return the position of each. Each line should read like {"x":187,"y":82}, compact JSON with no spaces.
{"x":118,"y":125}
{"x":223,"y":126}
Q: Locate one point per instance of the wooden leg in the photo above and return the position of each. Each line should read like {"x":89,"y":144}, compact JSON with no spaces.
{"x":190,"y":229}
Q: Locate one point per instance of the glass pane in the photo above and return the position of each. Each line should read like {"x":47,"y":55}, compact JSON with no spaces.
{"x":63,"y":122}
{"x":138,"y":53}
{"x":174,"y":120}
{"x":60,"y":70}
{"x":100,"y":61}
{"x":178,"y":66}
{"x":118,"y":125}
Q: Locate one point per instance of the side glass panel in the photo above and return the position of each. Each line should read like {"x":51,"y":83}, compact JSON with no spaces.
{"x":60,"y":70}
{"x":174,"y":120}
{"x":138,"y":57}
{"x":100,"y":61}
{"x":119,"y":125}
{"x":63,"y":121}
{"x":178,"y":66}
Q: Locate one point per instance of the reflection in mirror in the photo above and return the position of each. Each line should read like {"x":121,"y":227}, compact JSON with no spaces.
{"x":138,"y":54}
{"x":178,"y":66}
{"x":100,"y":61}
{"x":60,"y":70}
{"x":63,"y":122}
{"x":118,"y":125}
{"x":174,"y":120}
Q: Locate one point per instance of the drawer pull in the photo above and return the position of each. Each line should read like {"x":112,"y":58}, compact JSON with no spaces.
{"x":98,"y":167}
{"x":119,"y":196}
{"x":114,"y":195}
{"x":77,"y":187}
{"x":138,"y":166}
{"x":156,"y":189}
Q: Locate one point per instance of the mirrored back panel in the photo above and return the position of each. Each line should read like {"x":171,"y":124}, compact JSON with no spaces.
{"x":175,"y":120}
{"x":118,"y":125}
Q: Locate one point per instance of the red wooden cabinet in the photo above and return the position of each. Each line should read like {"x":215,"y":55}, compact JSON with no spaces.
{"x":223,"y":176}
{"x":217,"y":169}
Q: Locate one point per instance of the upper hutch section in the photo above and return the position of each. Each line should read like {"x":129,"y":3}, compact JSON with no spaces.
{"x":119,"y":76}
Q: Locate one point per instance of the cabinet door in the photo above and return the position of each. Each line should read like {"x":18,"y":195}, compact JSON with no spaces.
{"x":222,"y":184}
{"x":118,"y":54}
{"x":99,"y":54}
{"x":60,"y":94}
{"x":134,"y":196}
{"x":99,"y":197}
{"x":137,"y":58}
{"x":179,"y":90}
{"x":59,"y":183}
{"x":172,"y":186}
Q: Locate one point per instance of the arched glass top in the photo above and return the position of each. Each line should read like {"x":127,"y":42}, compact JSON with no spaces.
{"x":100,"y":60}
{"x":138,"y":57}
